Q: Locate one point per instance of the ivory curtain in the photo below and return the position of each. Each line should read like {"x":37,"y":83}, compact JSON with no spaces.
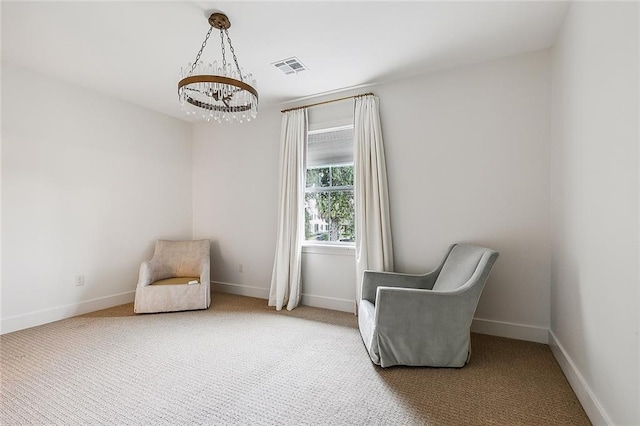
{"x":373,"y":227}
{"x":286,"y":277}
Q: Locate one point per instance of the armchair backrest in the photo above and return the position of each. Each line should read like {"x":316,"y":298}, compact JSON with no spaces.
{"x":459,"y":266}
{"x":181,"y":258}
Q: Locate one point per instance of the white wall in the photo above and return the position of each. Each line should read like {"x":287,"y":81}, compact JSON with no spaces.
{"x":468,"y":160}
{"x":328,"y":277}
{"x":595,"y":191}
{"x":235,"y":189}
{"x":88,"y":183}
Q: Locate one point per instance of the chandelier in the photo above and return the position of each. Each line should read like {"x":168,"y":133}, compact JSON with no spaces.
{"x":217,"y":90}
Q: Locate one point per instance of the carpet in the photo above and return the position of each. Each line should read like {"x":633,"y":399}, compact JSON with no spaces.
{"x":242,"y":363}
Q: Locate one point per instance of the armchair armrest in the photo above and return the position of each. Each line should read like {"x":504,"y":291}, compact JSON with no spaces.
{"x":424,"y":307}
{"x":144,"y":276}
{"x":372,"y":280}
{"x":151,"y":271}
{"x":205,"y":271}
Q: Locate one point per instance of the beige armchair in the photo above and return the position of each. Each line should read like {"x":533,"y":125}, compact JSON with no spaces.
{"x":175,"y":279}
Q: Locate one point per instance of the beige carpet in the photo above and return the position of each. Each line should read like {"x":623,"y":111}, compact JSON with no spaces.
{"x":241,"y":362}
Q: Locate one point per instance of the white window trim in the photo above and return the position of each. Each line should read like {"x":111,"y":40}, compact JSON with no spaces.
{"x":322,"y":247}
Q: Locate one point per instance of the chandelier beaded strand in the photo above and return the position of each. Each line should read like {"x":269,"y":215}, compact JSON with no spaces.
{"x":219,"y":92}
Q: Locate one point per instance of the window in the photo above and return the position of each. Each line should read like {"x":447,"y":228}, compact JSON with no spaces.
{"x":329,"y":204}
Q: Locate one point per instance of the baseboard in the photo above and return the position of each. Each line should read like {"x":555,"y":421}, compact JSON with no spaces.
{"x":32,"y":319}
{"x":494,"y":328}
{"x":240,"y":289}
{"x":332,"y":303}
{"x":306,"y":299}
{"x":587,"y":398}
{"x":511,"y":330}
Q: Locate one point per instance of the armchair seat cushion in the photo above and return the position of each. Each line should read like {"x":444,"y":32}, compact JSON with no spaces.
{"x":176,"y":280}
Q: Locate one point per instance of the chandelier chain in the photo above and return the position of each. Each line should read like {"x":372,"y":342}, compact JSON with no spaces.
{"x":224,"y":58}
{"x":204,"y":43}
{"x":233,"y":52}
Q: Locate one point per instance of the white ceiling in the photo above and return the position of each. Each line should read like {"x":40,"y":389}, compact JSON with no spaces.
{"x":134,"y":50}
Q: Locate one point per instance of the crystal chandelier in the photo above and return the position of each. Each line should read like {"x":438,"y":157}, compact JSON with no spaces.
{"x":218,"y":91}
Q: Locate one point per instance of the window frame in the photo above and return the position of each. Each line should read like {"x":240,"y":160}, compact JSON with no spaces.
{"x":329,"y":189}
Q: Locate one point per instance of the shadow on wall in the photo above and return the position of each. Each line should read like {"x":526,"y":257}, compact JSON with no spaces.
{"x":567,"y":315}
{"x":217,"y":262}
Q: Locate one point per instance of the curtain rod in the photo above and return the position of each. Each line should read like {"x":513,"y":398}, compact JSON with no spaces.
{"x":327,"y":102}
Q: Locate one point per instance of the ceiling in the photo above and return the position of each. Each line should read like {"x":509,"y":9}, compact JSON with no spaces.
{"x":134,"y":50}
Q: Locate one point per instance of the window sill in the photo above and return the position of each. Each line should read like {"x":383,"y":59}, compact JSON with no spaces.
{"x":332,"y":249}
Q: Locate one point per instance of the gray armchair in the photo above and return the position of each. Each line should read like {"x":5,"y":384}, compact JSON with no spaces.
{"x":424,"y":320}
{"x":176,"y":278}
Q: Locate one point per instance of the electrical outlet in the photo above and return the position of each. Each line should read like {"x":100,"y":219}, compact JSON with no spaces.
{"x":79,"y":280}
{"x":240,"y":267}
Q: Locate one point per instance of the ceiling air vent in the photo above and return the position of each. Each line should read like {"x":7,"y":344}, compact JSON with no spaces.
{"x":290,"y":66}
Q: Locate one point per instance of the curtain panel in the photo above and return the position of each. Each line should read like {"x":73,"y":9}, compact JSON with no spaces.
{"x":374,"y":249}
{"x":286,"y":278}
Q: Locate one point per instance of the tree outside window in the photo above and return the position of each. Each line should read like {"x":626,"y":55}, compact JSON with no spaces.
{"x":329,"y":204}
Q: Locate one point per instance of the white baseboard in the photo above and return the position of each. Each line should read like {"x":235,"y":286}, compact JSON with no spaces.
{"x":511,"y":330}
{"x":494,"y":328}
{"x":240,"y":289}
{"x":587,"y":398}
{"x":332,"y":303}
{"x":307,"y":299}
{"x":32,"y":319}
